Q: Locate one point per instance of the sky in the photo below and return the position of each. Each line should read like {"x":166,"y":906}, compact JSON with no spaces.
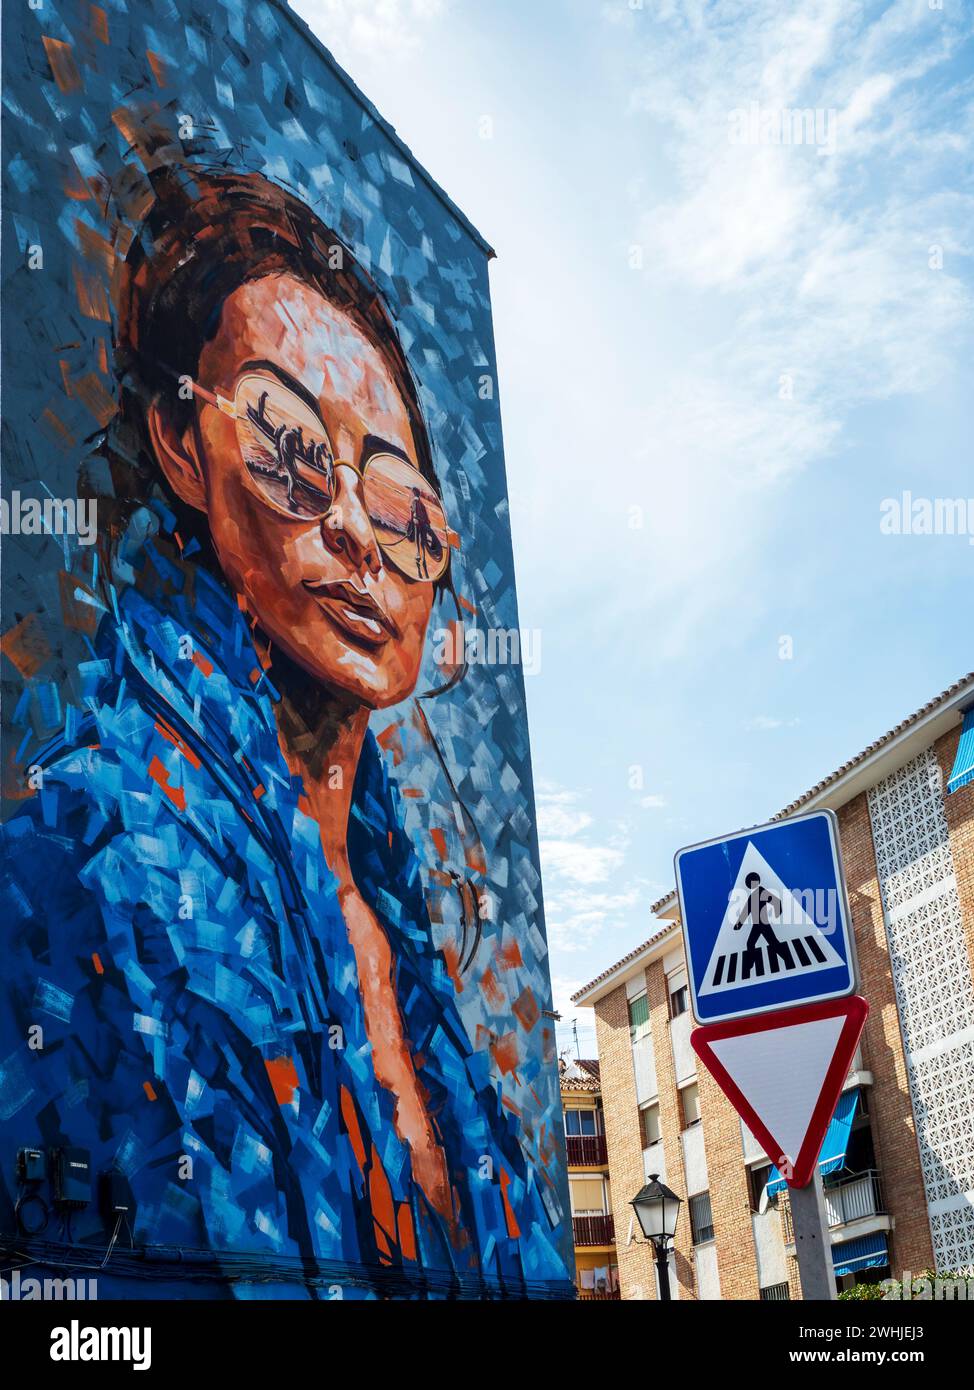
{"x":728,"y":342}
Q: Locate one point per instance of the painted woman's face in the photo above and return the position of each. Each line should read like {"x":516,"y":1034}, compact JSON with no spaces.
{"x":320,"y":518}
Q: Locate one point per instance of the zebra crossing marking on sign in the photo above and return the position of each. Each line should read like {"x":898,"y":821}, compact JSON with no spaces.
{"x":765,"y":919}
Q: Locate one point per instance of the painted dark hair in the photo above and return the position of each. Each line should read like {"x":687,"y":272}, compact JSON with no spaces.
{"x":205,"y":234}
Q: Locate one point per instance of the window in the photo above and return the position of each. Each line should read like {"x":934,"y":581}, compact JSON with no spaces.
{"x":679,"y":1001}
{"x":701,"y":1218}
{"x":588,"y":1196}
{"x":690,"y":1105}
{"x":638,"y":1017}
{"x":580,"y":1122}
{"x":776,"y":1293}
{"x":757,"y":1181}
{"x":649,"y":1124}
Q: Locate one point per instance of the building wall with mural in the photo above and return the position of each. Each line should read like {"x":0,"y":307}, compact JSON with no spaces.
{"x":275,"y":1012}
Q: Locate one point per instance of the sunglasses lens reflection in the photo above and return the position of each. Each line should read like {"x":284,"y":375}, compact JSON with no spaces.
{"x":289,"y":457}
{"x":285,"y":447}
{"x":407,"y":517}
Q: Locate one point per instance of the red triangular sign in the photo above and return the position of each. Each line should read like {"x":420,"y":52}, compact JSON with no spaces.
{"x":783,"y":1073}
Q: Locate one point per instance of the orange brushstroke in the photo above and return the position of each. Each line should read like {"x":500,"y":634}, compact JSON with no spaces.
{"x":352,"y":1125}
{"x":509,"y":1105}
{"x":491,"y":991}
{"x":505,"y":1053}
{"x":451,"y":959}
{"x":102,"y":357}
{"x":178,"y":742}
{"x":380,"y":1198}
{"x":149,"y":1089}
{"x":160,"y":774}
{"x":390,"y":740}
{"x":466,"y":606}
{"x":158,"y":67}
{"x":513,"y":1229}
{"x":99,"y":23}
{"x":407,"y":1236}
{"x":94,"y":247}
{"x":475,"y":860}
{"x":57,"y":429}
{"x":96,"y":962}
{"x":25,"y":646}
{"x":525,"y":1009}
{"x":283,"y":1076}
{"x":63,"y":66}
{"x":508,"y":957}
{"x":202,"y":664}
{"x":414,"y":793}
{"x":439,"y":840}
{"x":259,"y":791}
{"x":91,"y":295}
{"x":93,"y":396}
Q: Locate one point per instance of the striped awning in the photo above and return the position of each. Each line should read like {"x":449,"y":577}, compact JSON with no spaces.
{"x":865,"y":1252}
{"x":835,"y":1145}
{"x":964,"y":762}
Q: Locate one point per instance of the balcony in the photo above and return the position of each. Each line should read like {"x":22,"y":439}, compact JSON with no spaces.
{"x":857,"y":1198}
{"x":591,"y":1296}
{"x":586,"y":1151}
{"x":594,"y":1230}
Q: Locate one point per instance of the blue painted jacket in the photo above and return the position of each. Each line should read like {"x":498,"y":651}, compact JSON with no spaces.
{"x":173,"y":930}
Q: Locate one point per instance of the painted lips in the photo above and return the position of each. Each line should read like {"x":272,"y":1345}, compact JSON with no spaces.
{"x":354,"y":611}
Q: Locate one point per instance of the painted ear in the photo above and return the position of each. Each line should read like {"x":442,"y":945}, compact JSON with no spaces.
{"x":178,"y":457}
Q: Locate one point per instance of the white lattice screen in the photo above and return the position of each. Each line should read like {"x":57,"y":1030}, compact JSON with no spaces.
{"x":934,"y":993}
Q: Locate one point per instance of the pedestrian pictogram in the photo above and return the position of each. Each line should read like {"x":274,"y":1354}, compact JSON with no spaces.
{"x":765,"y":931}
{"x":765,"y":920}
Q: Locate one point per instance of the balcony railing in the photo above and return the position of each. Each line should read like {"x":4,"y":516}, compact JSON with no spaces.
{"x":586,"y":1150}
{"x":603,"y":1296}
{"x":853,"y":1199}
{"x":594,"y":1230}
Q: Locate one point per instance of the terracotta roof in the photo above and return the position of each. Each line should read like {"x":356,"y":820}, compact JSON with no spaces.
{"x":669,"y":898}
{"x":591,"y":1065}
{"x":847,"y":767}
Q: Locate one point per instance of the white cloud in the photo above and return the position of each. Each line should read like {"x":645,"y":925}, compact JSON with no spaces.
{"x":765,"y":722}
{"x":375,"y":29}
{"x":653,"y":802}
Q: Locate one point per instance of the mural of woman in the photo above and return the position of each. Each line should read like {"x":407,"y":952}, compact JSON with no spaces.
{"x":265,"y":1039}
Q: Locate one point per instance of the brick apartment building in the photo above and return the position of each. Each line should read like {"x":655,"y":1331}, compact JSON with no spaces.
{"x":596,"y":1267}
{"x":898,"y":1163}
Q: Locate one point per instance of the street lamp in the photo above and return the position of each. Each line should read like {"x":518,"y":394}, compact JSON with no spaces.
{"x":658,"y":1209}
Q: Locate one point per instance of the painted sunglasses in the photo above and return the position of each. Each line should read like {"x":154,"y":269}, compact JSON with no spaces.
{"x":288,"y":455}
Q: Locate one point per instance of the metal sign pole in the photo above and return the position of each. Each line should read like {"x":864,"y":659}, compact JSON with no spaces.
{"x":812,"y":1243}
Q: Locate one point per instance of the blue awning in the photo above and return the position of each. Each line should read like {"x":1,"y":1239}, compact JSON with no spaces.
{"x":835,"y":1145}
{"x":964,"y":762}
{"x":865,"y":1252}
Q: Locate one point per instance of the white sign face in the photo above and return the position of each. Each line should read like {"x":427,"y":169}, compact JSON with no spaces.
{"x":765,"y":919}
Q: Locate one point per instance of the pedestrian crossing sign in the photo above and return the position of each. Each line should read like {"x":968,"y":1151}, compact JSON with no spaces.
{"x":766,"y":919}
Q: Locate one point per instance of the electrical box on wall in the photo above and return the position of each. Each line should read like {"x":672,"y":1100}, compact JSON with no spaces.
{"x":72,"y":1177}
{"x":31,"y":1165}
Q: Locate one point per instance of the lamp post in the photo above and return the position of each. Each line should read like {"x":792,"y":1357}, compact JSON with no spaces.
{"x":657,"y":1209}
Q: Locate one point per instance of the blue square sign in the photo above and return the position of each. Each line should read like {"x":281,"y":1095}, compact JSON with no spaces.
{"x":766,"y":919}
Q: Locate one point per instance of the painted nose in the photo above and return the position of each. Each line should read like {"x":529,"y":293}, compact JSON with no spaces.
{"x":346,"y":528}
